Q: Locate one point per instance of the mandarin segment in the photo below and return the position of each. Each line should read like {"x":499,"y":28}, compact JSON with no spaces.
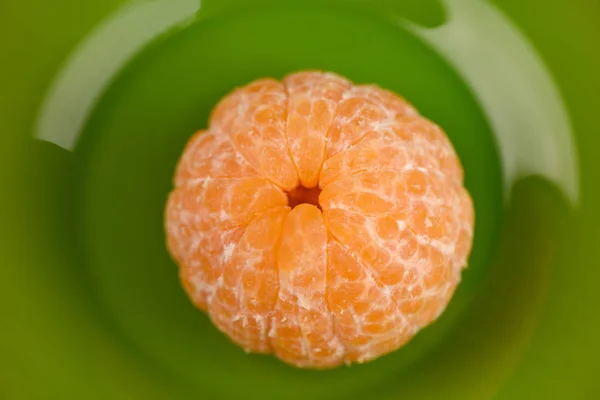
{"x":406,"y":142}
{"x":211,"y":155}
{"x":201,"y":213}
{"x":203,"y":265}
{"x":225,"y":202}
{"x":313,"y":99}
{"x":247,"y":289}
{"x":318,"y":289}
{"x":430,"y":146}
{"x":402,"y":261}
{"x":302,"y":330}
{"x":414,"y":199}
{"x":396,"y":105}
{"x":368,"y":320}
{"x":378,"y":151}
{"x":464,"y":242}
{"x":362,"y":110}
{"x":253,"y":117}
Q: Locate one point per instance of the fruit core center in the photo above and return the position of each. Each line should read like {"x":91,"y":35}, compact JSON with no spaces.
{"x":302,"y":195}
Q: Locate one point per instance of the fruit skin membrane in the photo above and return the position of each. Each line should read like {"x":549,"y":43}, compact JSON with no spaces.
{"x":346,"y":280}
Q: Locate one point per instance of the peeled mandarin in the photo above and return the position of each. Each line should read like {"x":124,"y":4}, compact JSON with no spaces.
{"x":319,"y":221}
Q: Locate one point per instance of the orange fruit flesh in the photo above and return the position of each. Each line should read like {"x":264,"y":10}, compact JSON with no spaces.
{"x":318,"y":220}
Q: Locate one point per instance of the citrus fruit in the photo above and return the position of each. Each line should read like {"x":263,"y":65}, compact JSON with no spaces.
{"x":321,"y":221}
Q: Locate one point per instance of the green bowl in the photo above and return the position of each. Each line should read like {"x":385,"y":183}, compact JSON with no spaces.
{"x":99,"y":97}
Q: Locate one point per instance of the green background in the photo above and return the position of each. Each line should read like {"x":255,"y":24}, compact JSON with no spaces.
{"x":90,"y":303}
